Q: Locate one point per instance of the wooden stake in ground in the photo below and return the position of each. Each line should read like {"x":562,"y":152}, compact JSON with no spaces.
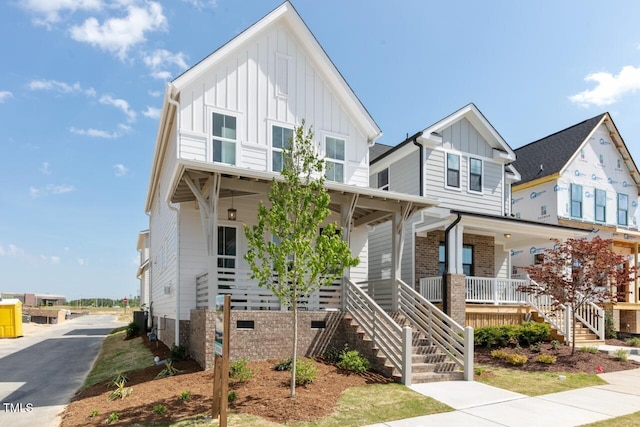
{"x":221,"y":359}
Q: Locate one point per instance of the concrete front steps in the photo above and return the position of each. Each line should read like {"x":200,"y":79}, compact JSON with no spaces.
{"x":428,"y":363}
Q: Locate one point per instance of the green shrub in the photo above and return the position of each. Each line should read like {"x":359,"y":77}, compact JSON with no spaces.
{"x":133,"y":329}
{"x":532,"y":332}
{"x":283,"y":365}
{"x":352,"y":361}
{"x":232,"y":396}
{"x":633,"y":342}
{"x":621,"y":354}
{"x":588,"y":349}
{"x":239,"y":372}
{"x":117,"y":378}
{"x":168,"y":371}
{"x":547,"y":359}
{"x":159,"y":409}
{"x":185,"y":395}
{"x":516,"y":359}
{"x":537,"y":347}
{"x":178,"y":353}
{"x":113,"y":417}
{"x":609,"y":326}
{"x":120,"y":392}
{"x":332,"y":355}
{"x":499,"y":354}
{"x":305,"y":371}
{"x":94,"y":413}
{"x":555,"y":344}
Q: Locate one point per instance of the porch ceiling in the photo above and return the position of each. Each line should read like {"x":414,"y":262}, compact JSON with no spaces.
{"x":373,"y":206}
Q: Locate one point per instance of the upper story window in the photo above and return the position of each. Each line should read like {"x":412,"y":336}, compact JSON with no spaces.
{"x":582,"y":154}
{"x":576,"y":200}
{"x":334,"y":149}
{"x":623,"y":209}
{"x":475,"y":174}
{"x":383,"y":179}
{"x":281,"y":138}
{"x":601,"y":206}
{"x":224,"y":138}
{"x":619,"y":164}
{"x":601,"y":159}
{"x":453,"y":170}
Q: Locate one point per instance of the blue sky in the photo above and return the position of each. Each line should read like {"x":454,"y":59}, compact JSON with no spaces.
{"x":81,"y":84}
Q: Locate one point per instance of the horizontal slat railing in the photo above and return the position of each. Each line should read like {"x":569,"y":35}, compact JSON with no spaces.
{"x":247,"y":295}
{"x":453,"y":339}
{"x":384,"y":332}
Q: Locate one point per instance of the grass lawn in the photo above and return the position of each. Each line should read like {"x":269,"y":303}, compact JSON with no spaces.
{"x":630,"y":420}
{"x":119,"y":355}
{"x":533,"y":383}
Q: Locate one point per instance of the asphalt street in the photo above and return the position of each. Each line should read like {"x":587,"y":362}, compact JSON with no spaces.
{"x":39,"y":373}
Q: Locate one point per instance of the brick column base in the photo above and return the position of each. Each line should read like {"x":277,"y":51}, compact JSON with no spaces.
{"x":455,"y":305}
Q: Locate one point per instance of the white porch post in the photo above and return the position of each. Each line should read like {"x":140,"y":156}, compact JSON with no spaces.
{"x":208,"y":203}
{"x":398,"y":221}
{"x":346,"y":214}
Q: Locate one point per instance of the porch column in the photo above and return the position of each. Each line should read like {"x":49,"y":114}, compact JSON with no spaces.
{"x":398,"y":221}
{"x":455,"y":302}
{"x":636,"y":291}
{"x":346,"y":215}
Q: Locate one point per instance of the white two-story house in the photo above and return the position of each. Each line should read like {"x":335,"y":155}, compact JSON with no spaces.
{"x":223,"y":126}
{"x":583,"y":176}
{"x":466,"y":241}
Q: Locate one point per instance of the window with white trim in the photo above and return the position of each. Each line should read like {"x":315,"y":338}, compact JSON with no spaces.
{"x":601,"y":205}
{"x":576,"y":200}
{"x":224,"y":137}
{"x":601,"y":159}
{"x":227,"y":247}
{"x":383,"y":179}
{"x":475,"y":175}
{"x":334,"y":151}
{"x":281,"y":139}
{"x":453,"y":170}
{"x":623,"y":209}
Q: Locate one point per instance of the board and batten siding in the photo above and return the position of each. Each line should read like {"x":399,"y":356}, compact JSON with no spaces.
{"x":246,"y":84}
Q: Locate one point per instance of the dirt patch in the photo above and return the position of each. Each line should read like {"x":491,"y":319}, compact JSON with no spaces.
{"x":565,"y":362}
{"x":265,"y":395}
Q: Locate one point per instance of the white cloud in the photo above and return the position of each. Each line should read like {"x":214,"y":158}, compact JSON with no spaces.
{"x":61,"y":87}
{"x":118,"y":35}
{"x":609,"y":88}
{"x":50,"y":189}
{"x":151,"y":112}
{"x":155,"y":93}
{"x":82,"y":261}
{"x":48,"y":11}
{"x":161,"y":59}
{"x":5,"y":95}
{"x":45,"y":168}
{"x":95,"y":133}
{"x":120,"y":169}
{"x":11,"y":250}
{"x":121,"y":104}
{"x":202,"y":4}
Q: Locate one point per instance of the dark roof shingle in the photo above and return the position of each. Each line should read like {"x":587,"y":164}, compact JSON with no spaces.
{"x":377,"y":150}
{"x":548,"y":155}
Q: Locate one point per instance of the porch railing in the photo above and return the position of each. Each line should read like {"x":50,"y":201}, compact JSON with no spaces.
{"x":387,"y":335}
{"x":452,"y":338}
{"x":247,"y":295}
{"x":505,"y":291}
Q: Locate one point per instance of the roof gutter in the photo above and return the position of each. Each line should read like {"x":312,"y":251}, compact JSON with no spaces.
{"x":414,"y":138}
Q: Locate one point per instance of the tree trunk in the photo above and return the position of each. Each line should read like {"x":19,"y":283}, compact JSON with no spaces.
{"x":294,"y":357}
{"x":573,"y":329}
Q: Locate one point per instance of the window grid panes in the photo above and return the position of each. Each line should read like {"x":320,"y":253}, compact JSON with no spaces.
{"x":623,"y":209}
{"x":576,"y":201}
{"x":334,"y":148}
{"x":467,"y":260}
{"x":475,"y":175}
{"x":281,"y":138}
{"x":601,"y":205}
{"x":453,"y":170}
{"x":226,"y":247}
{"x":224,"y":138}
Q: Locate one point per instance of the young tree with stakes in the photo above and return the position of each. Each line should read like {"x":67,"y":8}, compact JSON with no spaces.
{"x":287,"y":253}
{"x":578,"y":271}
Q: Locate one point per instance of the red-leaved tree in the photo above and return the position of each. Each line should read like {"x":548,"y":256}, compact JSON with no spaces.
{"x":579,"y":271}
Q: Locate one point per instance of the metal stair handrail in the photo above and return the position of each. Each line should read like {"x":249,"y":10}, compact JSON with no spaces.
{"x":386,"y":334}
{"x":441,"y":330}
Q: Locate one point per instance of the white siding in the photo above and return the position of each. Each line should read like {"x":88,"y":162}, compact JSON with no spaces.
{"x":360,"y":248}
{"x":380,"y":252}
{"x":244,"y":84}
{"x":404,"y":174}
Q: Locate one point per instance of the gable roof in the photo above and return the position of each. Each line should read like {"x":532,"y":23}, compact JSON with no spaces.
{"x":376,"y":150}
{"x":471,"y":113}
{"x":549,"y":155}
{"x":286,"y":14}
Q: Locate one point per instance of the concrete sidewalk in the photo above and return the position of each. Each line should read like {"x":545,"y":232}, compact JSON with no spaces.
{"x":481,"y":405}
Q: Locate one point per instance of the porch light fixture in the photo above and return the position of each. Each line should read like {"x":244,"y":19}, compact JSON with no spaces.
{"x":507,"y":235}
{"x":231,"y":212}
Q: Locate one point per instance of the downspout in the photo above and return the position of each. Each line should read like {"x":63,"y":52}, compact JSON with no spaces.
{"x":420,"y":165}
{"x":177,"y":211}
{"x":445,"y":299}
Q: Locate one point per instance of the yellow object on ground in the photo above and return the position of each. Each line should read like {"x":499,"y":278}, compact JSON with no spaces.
{"x":10,"y":318}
